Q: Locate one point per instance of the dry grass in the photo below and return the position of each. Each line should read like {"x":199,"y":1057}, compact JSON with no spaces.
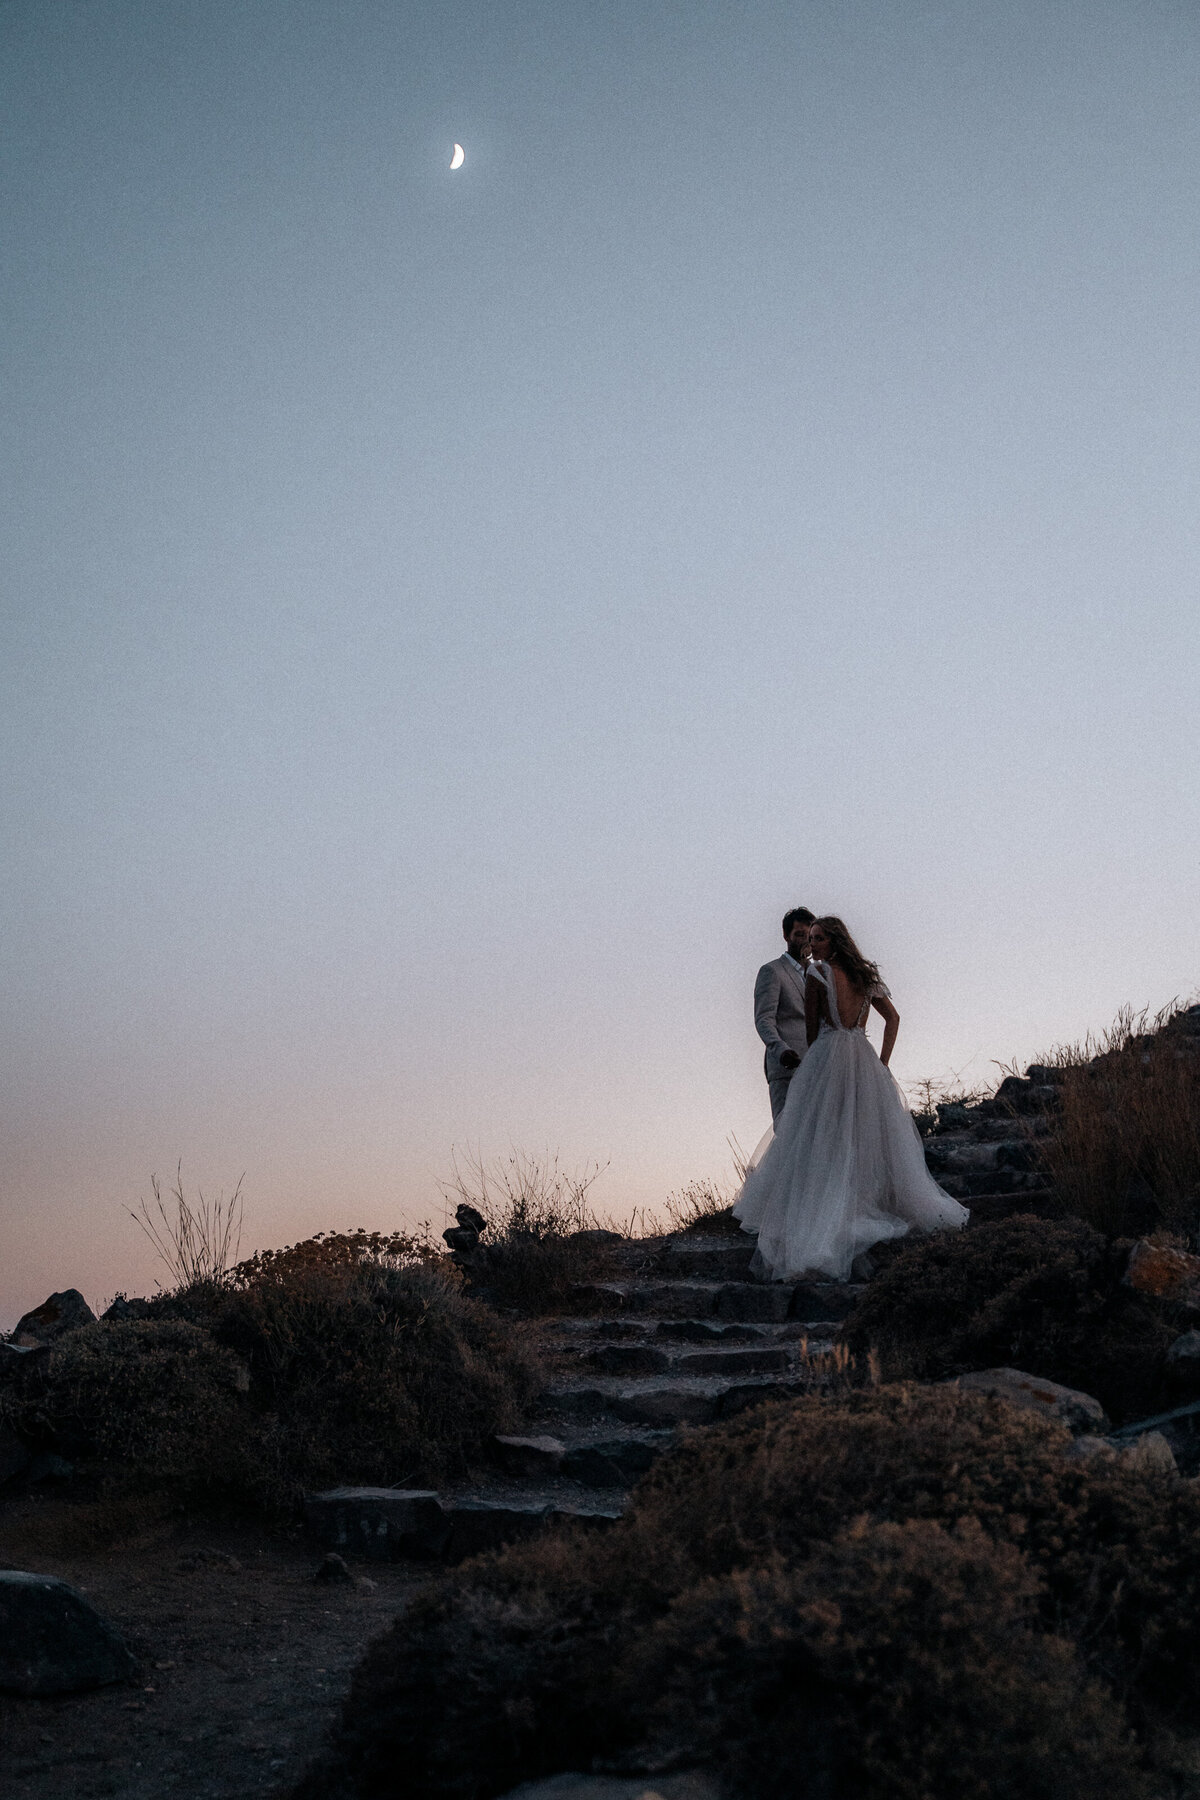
{"x":197,"y":1242}
{"x":542,"y":1237}
{"x":1124,"y":1152}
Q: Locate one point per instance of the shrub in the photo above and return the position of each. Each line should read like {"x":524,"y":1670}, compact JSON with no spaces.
{"x":731,"y":1617}
{"x":1035,"y":1294}
{"x":157,"y":1396}
{"x":368,"y":1372}
{"x":1124,"y":1150}
{"x":359,"y":1370}
{"x":899,"y":1660}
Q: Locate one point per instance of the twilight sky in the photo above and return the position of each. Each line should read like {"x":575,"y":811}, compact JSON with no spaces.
{"x":447,"y":618}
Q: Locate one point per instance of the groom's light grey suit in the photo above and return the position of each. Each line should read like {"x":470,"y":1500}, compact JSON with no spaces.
{"x":779,"y":1021}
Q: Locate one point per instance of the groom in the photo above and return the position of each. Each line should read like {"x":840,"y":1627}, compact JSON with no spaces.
{"x":779,"y":1007}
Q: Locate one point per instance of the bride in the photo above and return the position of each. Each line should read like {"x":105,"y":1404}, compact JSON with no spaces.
{"x":845,"y":1168}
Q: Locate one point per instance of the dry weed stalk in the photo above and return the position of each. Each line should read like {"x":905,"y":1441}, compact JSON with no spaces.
{"x":201,"y":1242}
{"x":838,"y":1370}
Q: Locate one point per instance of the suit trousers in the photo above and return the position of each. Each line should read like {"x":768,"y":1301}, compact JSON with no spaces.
{"x":779,"y":1093}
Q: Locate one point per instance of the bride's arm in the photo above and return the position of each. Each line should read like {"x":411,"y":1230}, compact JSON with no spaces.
{"x":891,"y":1025}
{"x":814,"y":996}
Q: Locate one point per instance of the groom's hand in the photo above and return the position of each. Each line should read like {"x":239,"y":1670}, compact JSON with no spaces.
{"x":789,"y":1060}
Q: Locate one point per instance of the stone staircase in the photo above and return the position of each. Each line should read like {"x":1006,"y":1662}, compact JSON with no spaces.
{"x":987,"y":1154}
{"x":681,"y":1335}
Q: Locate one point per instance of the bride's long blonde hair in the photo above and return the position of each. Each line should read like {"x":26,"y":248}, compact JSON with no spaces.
{"x":846,"y":954}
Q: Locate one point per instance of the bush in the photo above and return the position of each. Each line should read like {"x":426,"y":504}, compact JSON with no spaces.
{"x":1034,"y":1294}
{"x":899,"y":1660}
{"x":731,"y":1618}
{"x":158,"y":1396}
{"x":361,"y":1369}
{"x":376,"y":1375}
{"x":366,"y":1372}
{"x":1124,"y":1150}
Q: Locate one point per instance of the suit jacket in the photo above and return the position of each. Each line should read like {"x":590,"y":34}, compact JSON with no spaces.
{"x":779,"y":1013}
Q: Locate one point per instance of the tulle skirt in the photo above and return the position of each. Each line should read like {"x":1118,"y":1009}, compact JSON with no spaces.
{"x":844,"y":1170}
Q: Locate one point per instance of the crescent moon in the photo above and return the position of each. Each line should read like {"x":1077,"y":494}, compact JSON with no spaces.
{"x":459,"y":157}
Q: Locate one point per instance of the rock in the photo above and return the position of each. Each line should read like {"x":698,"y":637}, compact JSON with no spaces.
{"x":332,"y":1570}
{"x":471,"y":1219}
{"x":122,"y":1308}
{"x":61,"y":1312}
{"x":952,"y":1115}
{"x":479,"y":1525}
{"x":1079,"y":1412}
{"x":379,"y":1523}
{"x":15,"y":1457}
{"x":1163,"y":1273}
{"x":1151,"y":1451}
{"x":616,"y":1462}
{"x":1086,"y":1446}
{"x":52,"y":1641}
{"x":533,"y":1456}
{"x":596,"y":1236}
{"x":1184,"y":1354}
{"x":461,"y":1239}
{"x":698,"y":1259}
{"x":1181,"y":1429}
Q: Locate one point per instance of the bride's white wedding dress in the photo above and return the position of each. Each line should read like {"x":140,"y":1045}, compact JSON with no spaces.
{"x":845,"y":1168}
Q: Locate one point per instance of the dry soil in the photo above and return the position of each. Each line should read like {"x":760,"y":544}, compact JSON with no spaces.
{"x":243,"y":1658}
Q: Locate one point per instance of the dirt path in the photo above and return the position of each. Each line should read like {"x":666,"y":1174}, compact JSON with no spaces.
{"x":244,"y":1659}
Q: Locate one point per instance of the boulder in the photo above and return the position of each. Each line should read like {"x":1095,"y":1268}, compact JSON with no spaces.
{"x":1163,"y":1273}
{"x":61,"y":1312}
{"x":1079,"y":1412}
{"x":52,"y":1641}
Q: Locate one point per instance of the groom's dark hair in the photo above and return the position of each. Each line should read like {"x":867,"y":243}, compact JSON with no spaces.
{"x":799,"y":915}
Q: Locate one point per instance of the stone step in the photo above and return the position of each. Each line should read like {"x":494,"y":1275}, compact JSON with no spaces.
{"x":390,"y":1524}
{"x":679,"y":1400}
{"x":593,"y":1453}
{"x":993,"y":1181}
{"x":578,"y":1333}
{"x":720,"y":1359}
{"x":730,"y":1301}
{"x":709,"y":1259}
